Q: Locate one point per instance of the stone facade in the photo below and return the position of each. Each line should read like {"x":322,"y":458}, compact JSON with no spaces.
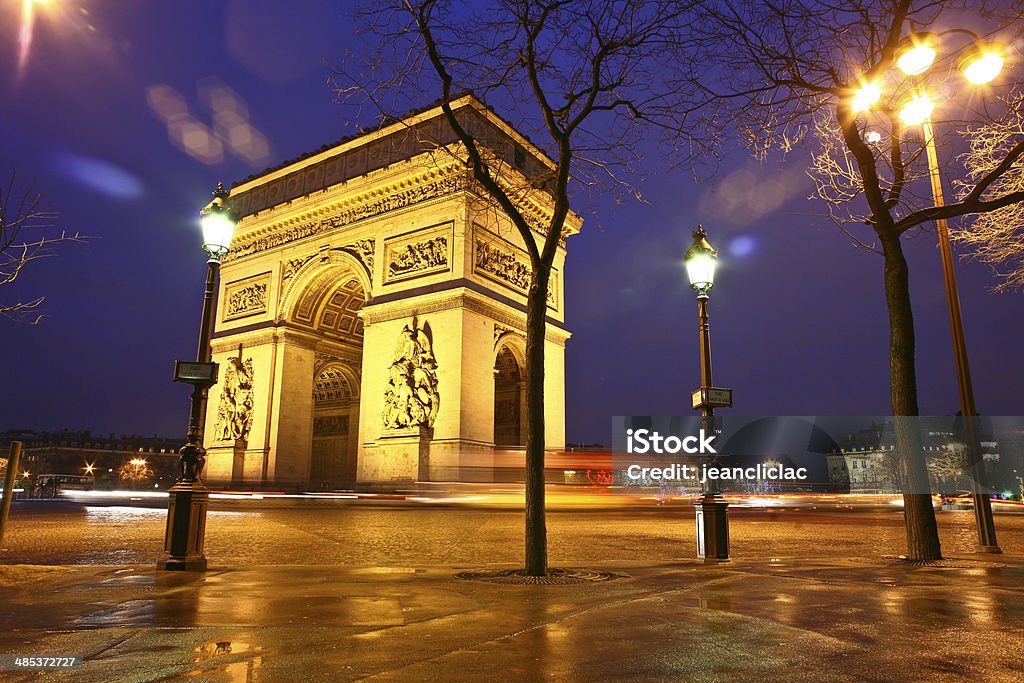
{"x":368,"y":315}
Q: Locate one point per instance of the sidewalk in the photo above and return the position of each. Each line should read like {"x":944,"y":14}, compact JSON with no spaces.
{"x":785,"y":620}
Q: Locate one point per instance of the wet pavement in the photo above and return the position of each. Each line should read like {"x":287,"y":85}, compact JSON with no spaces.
{"x":374,"y":595}
{"x":48,"y":533}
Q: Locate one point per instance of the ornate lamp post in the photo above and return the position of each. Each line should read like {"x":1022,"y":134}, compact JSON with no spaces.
{"x":189,"y":497}
{"x":981,"y":64}
{"x":712,"y":509}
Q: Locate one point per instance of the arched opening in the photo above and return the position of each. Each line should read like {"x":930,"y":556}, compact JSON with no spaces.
{"x":335,"y":427}
{"x":329,"y":308}
{"x":509,"y":397}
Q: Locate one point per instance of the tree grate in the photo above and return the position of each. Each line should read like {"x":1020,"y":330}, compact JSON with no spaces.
{"x":554,"y":576}
{"x":945,"y":563}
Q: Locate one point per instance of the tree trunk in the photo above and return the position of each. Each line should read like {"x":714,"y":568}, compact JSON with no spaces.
{"x":536,"y":529}
{"x":919,"y":515}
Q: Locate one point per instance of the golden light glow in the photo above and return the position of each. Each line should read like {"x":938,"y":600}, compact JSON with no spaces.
{"x":917,"y":110}
{"x":25,"y":35}
{"x":983,"y":63}
{"x":89,"y":468}
{"x":866,"y":97}
{"x":138,"y":462}
{"x":916,"y":59}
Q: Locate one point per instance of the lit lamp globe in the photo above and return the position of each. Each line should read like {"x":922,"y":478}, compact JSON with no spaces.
{"x":917,"y":110}
{"x":983,"y":63}
{"x":701,"y":259}
{"x":218,"y":221}
{"x":916,"y":54}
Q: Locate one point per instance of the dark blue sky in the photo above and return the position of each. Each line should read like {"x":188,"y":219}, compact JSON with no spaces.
{"x":798,"y":316}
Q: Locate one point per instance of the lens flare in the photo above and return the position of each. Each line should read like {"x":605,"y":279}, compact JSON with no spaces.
{"x":866,"y":97}
{"x":917,"y":110}
{"x":25,"y":35}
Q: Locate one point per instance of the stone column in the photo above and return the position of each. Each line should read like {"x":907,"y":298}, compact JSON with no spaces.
{"x":291,"y":415}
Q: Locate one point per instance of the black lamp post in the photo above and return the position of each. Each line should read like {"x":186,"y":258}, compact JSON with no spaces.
{"x":189,"y":497}
{"x":982,"y":63}
{"x":712,"y":509}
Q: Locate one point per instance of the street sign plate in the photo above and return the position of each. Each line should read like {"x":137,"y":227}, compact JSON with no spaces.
{"x":712,"y":397}
{"x":195,"y":373}
{"x":721,"y":398}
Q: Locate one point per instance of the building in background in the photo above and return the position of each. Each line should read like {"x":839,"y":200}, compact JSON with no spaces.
{"x":114,"y":461}
{"x":865,"y":460}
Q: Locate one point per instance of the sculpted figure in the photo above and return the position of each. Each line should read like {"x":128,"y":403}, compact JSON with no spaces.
{"x":234,"y":413}
{"x":411,"y":398}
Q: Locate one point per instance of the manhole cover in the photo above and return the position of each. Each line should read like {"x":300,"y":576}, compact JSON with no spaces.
{"x":554,"y":576}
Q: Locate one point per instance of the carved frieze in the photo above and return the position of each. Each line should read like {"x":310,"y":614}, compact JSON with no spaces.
{"x":290,"y":267}
{"x":361,"y":208}
{"x":502,"y":329}
{"x":499,"y":261}
{"x":420,"y":253}
{"x":363,"y":250}
{"x":246,"y":297}
{"x":418,"y":257}
{"x":502,"y":265}
{"x":235,"y":411}
{"x":330,"y":425}
{"x":411,"y":398}
{"x":321,"y":359}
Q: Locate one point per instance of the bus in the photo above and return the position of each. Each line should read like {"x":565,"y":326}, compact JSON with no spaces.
{"x":51,"y":484}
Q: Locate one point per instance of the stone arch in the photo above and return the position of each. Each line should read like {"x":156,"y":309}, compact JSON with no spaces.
{"x":334,"y":380}
{"x":334,"y":450}
{"x":376,"y":222}
{"x":304,"y":291}
{"x":516,"y":345}
{"x":510,"y":392}
{"x":323,"y":301}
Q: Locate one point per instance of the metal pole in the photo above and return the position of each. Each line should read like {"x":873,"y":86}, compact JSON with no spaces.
{"x":707,"y":411}
{"x":197,"y":413}
{"x":982,"y":502}
{"x":13,"y":458}
{"x":185,"y":535}
{"x":712,"y":510}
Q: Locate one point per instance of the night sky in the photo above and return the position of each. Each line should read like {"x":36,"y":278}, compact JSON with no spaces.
{"x":798,"y":315}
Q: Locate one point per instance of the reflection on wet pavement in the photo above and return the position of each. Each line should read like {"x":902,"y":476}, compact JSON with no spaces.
{"x":767,"y":616}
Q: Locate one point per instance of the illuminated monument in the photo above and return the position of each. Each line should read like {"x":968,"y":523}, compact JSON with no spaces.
{"x":371,"y":320}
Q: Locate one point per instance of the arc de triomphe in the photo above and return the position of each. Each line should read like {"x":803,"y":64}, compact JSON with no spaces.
{"x":371,"y":316}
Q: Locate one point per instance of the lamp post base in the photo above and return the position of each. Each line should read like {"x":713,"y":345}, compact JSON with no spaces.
{"x":712,"y":528}
{"x":994,"y":549}
{"x":186,"y":528}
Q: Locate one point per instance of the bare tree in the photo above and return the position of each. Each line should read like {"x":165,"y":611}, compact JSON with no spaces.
{"x":780,"y":73}
{"x":27,"y":233}
{"x":136,"y":471}
{"x":948,"y":466}
{"x":996,"y":237}
{"x":583,"y":78}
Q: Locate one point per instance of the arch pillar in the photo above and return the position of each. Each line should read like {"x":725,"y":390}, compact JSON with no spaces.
{"x":276,"y":450}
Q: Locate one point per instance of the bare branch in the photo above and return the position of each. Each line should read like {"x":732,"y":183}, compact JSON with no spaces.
{"x":26,"y":234}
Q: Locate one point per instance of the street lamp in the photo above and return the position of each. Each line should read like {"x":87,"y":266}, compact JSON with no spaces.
{"x":712,"y":510}
{"x":189,"y":497}
{"x":981,"y":64}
